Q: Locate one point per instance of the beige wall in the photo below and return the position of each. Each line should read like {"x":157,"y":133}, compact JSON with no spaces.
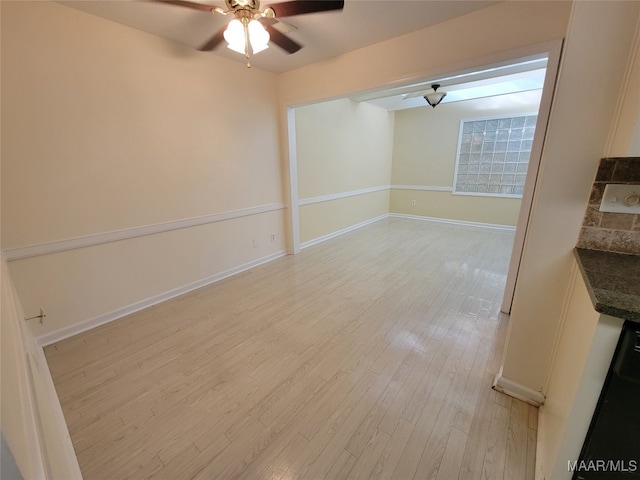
{"x":464,"y":208}
{"x":342,"y":147}
{"x":625,"y":136}
{"x":108,"y":129}
{"x":596,"y":57}
{"x":424,"y":154}
{"x":323,"y":219}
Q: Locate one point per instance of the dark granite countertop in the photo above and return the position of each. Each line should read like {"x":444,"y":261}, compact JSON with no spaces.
{"x":613,"y":282}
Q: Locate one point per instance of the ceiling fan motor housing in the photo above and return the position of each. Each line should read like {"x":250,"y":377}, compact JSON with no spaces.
{"x":253,"y":5}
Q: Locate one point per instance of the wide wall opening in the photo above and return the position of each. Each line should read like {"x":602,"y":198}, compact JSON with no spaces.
{"x":470,"y":160}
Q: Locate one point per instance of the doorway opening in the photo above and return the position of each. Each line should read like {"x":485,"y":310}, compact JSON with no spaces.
{"x":356,"y":159}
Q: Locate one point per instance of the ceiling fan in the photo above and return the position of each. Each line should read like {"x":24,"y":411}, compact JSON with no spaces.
{"x":252,"y":28}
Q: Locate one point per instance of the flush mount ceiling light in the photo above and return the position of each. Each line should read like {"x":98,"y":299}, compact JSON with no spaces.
{"x":435,"y":97}
{"x":252,"y":29}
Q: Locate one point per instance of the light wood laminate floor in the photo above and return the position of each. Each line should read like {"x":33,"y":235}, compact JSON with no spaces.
{"x":369,"y":356}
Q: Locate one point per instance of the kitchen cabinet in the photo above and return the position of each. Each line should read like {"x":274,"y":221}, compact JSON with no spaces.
{"x":604,"y":292}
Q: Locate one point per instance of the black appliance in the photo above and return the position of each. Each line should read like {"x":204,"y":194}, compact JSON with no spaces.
{"x":611,"y":449}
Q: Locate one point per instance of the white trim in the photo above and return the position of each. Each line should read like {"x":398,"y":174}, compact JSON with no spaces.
{"x":485,"y":194}
{"x":100,"y":238}
{"x":17,"y":333}
{"x":47,"y":400}
{"x":553,"y":51}
{"x":56,"y":336}
{"x":493,"y":226}
{"x":516,"y":390}
{"x":337,"y":196}
{"x":351,"y":228}
{"x":364,"y":191}
{"x":426,"y":188}
{"x":294,"y":212}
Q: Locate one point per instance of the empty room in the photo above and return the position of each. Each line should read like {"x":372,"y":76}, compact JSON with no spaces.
{"x":349,"y":255}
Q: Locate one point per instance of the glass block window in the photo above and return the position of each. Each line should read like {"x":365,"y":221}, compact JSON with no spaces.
{"x":493,"y":155}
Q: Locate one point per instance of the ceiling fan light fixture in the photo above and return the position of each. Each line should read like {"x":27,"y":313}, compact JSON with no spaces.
{"x":435,"y":97}
{"x":251,"y":29}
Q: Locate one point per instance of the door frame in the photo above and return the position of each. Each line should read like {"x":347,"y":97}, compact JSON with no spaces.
{"x":554,"y":56}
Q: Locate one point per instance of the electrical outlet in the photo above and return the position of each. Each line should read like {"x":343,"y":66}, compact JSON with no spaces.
{"x":620,"y":198}
{"x":256,"y":242}
{"x":273,"y":237}
{"x":413,"y":203}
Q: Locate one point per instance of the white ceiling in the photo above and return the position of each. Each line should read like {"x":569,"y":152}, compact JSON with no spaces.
{"x":522,"y":77}
{"x":323,"y":35}
{"x":327,"y":35}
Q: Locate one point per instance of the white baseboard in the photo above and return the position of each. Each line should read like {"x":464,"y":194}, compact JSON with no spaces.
{"x":493,"y":226}
{"x":351,"y":228}
{"x":83,"y":326}
{"x":449,"y":221}
{"x":516,"y":390}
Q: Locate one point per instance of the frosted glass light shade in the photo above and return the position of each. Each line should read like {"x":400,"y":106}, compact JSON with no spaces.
{"x":258,"y":36}
{"x":234,"y":35}
{"x":434,"y":98}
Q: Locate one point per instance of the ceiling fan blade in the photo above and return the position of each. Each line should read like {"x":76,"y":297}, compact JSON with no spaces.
{"x":282,"y":40}
{"x":183,"y":3}
{"x":214,"y":41}
{"x":301,"y":7}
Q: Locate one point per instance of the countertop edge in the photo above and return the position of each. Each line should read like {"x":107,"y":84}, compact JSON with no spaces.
{"x":606,"y":301}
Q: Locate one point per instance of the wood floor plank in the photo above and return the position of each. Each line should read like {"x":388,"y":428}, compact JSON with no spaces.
{"x":493,"y":467}
{"x":452,"y":460}
{"x":388,"y":459}
{"x":517,"y":440}
{"x":342,"y":393}
{"x":475,"y":450}
{"x":530,"y":471}
{"x":278,"y":464}
{"x":470,"y":396}
{"x":369,"y":456}
{"x":370,"y":355}
{"x":330,"y":426}
{"x":192,"y":460}
{"x":349,"y":426}
{"x":342,"y":467}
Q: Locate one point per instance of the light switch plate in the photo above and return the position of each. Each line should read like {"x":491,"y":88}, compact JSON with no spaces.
{"x":619,"y":198}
